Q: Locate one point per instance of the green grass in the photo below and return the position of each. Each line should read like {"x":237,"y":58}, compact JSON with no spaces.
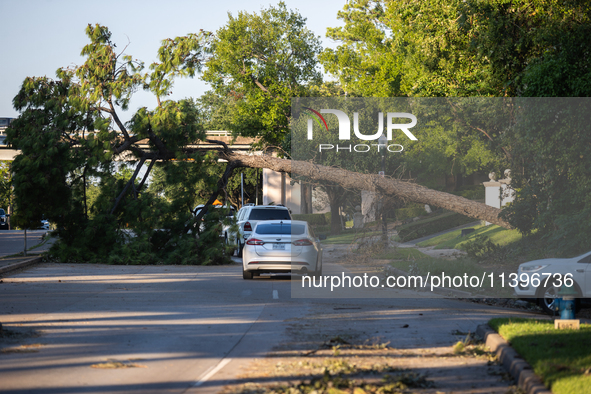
{"x":452,"y":240}
{"x":349,"y":237}
{"x":560,"y":357}
{"x":428,"y":219}
{"x":436,"y":266}
{"x":452,"y":268}
{"x":432,"y":224}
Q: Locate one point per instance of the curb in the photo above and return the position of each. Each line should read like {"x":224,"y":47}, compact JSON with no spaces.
{"x":21,"y":264}
{"x":512,"y":361}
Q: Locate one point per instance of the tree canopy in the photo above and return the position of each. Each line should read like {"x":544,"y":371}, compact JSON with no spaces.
{"x":71,"y":134}
{"x":260,"y":61}
{"x":466,"y":48}
{"x":5,"y":184}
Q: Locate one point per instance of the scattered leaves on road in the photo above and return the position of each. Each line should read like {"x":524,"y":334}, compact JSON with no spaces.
{"x":32,"y":348}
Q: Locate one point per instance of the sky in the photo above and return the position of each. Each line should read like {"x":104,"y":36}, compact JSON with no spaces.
{"x":40,"y":36}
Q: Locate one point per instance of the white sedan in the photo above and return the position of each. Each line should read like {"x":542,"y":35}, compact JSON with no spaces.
{"x":277,"y":246}
{"x":542,"y":279}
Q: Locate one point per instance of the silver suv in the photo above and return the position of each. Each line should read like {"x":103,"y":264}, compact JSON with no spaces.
{"x":249,"y":215}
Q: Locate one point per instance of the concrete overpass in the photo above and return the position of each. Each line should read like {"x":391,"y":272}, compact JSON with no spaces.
{"x":238,"y":144}
{"x":277,"y":187}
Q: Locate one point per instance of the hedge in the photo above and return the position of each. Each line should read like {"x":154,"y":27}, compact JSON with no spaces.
{"x":410,"y":212}
{"x":425,"y":227}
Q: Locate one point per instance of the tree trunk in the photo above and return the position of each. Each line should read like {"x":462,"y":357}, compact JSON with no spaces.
{"x":334,"y":194}
{"x":389,"y":186}
{"x":306,"y":190}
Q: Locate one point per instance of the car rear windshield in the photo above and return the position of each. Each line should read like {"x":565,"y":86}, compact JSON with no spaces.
{"x":269,"y":214}
{"x":279,"y":228}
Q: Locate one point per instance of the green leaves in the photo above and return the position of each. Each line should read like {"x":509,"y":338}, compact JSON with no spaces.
{"x":365,"y":63}
{"x":260,"y":61}
{"x":69,"y":132}
{"x":182,"y":56}
{"x":551,"y":172}
{"x":5,"y":184}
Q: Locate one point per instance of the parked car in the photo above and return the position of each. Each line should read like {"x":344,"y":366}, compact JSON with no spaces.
{"x":226,"y":224}
{"x":277,"y":246}
{"x":44,"y":224}
{"x":249,"y":215}
{"x":3,"y":220}
{"x":542,"y":279}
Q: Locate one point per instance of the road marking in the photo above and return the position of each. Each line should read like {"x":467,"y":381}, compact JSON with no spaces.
{"x":212,"y":371}
{"x":246,"y":293}
{"x":275,"y":295}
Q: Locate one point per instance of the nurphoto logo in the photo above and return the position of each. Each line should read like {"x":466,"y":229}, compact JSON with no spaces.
{"x":345,"y":129}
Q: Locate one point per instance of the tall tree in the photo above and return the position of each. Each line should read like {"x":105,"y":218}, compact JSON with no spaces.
{"x":5,"y":184}
{"x":551,"y":174}
{"x":260,"y":61}
{"x":464,"y":48}
{"x":365,"y":62}
{"x":70,"y":130}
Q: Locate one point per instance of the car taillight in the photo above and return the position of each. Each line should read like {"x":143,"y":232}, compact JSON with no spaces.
{"x":247,"y":226}
{"x":254,"y":241}
{"x":302,"y":242}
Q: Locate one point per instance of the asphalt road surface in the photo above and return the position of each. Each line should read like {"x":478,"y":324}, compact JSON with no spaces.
{"x":13,"y":241}
{"x":180,"y":329}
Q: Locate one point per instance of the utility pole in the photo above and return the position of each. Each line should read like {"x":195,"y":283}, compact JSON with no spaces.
{"x":383,"y":144}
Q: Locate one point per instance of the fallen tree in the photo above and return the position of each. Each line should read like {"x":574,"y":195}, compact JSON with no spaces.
{"x":353,"y":180}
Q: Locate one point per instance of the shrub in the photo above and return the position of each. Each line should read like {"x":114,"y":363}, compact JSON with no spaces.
{"x":314,"y":219}
{"x":322,"y":229}
{"x":481,"y":247}
{"x":471,"y":192}
{"x":410,"y":212}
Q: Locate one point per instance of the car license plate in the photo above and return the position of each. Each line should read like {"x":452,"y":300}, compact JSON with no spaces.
{"x":278,"y":246}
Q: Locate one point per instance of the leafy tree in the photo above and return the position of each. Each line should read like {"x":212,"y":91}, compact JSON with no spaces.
{"x":196,"y":189}
{"x":260,"y":61}
{"x":216,"y":111}
{"x":5,"y":184}
{"x":410,"y":48}
{"x":532,"y":47}
{"x":70,"y":134}
{"x":365,"y":62}
{"x":462,"y":48}
{"x":401,"y":48}
{"x":551,"y":175}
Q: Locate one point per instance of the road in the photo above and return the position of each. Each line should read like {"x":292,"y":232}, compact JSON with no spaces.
{"x":185,"y":329}
{"x":13,"y":241}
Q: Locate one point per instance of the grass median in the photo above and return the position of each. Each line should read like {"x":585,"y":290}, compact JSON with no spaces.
{"x":453,"y":240}
{"x":560,"y":357}
{"x":350,"y":237}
